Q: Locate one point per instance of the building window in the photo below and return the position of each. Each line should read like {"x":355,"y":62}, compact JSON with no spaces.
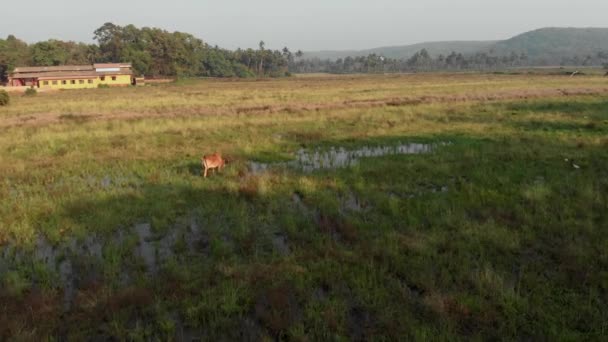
{"x":73,"y":81}
{"x":113,"y":78}
{"x":81,"y":81}
{"x":64,"y":82}
{"x":90,"y":81}
{"x":46,"y":83}
{"x":54,"y":82}
{"x":103,"y":78}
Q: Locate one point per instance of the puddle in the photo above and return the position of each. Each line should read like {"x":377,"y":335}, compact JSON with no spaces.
{"x":93,"y":247}
{"x":320,"y":293}
{"x":279,"y":241}
{"x":4,"y":264}
{"x":78,"y":262}
{"x":250,"y":330}
{"x":184,"y":332}
{"x":441,"y":189}
{"x":196,"y":239}
{"x":353,"y":203}
{"x":106,"y":182}
{"x":422,"y":191}
{"x":359,"y":322}
{"x":45,"y":252}
{"x":298,"y":200}
{"x":66,"y":276}
{"x":334,"y":158}
{"x":167,"y":243}
{"x":146,"y":249}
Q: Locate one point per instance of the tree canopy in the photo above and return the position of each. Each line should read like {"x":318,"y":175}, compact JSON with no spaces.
{"x":153,"y":52}
{"x":423,"y":61}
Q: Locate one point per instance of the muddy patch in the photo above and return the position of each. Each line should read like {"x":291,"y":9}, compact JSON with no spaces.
{"x":335,"y":158}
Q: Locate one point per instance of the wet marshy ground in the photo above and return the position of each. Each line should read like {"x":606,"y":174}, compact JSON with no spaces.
{"x":73,"y":263}
{"x":340,"y":157}
{"x":141,"y":252}
{"x":109,"y":231}
{"x":139,"y":249}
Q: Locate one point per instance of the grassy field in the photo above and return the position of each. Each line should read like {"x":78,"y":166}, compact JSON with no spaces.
{"x":108,"y":230}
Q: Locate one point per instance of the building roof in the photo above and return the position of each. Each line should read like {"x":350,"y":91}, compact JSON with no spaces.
{"x":68,"y":74}
{"x":91,"y":73}
{"x":110,"y":73}
{"x":111,"y":65}
{"x":74,"y":71}
{"x":53,"y":68}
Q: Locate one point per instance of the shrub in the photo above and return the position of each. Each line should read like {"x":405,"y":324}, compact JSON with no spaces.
{"x":103,"y":86}
{"x":30,"y":92}
{"x":4,"y":98}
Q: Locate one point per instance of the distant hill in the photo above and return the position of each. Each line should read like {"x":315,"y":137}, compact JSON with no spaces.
{"x":406,"y":51}
{"x":434,"y":48}
{"x":553,"y":44}
{"x":547,"y":44}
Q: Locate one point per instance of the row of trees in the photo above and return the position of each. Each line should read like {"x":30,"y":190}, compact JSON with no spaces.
{"x":153,"y":52}
{"x":588,"y":60}
{"x":423,"y":61}
{"x":156,"y":52}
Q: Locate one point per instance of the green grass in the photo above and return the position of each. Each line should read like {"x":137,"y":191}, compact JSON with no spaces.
{"x":498,"y":235}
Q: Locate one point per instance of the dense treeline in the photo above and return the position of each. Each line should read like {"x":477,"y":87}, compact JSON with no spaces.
{"x":153,"y":52}
{"x":423,"y":61}
{"x":158,"y":53}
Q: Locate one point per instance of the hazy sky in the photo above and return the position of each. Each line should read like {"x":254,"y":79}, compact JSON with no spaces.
{"x":303,"y":24}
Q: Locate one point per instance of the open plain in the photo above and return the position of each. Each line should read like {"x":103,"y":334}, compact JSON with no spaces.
{"x":383,"y":207}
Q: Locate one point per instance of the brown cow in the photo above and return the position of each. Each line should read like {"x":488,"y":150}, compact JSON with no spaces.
{"x":214,"y":161}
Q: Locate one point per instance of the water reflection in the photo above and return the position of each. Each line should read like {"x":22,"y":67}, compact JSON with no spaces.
{"x":334,"y":158}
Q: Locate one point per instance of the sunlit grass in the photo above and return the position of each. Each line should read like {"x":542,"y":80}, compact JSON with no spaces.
{"x":497,"y":234}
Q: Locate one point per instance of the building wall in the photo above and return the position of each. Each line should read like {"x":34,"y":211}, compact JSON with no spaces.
{"x":121,"y":80}
{"x":21,"y":82}
{"x":58,"y":84}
